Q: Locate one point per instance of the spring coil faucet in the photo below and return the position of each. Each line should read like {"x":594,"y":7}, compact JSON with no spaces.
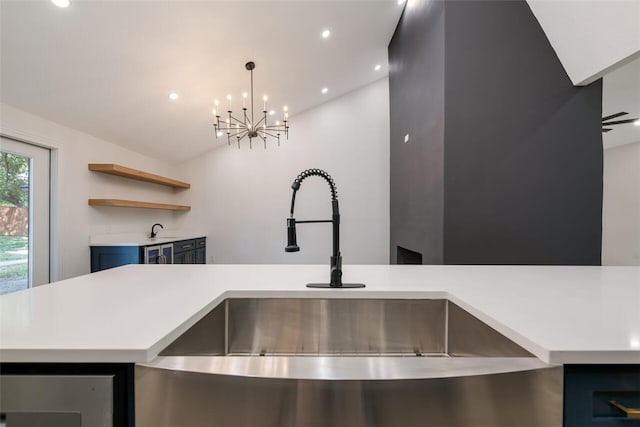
{"x":292,"y":244}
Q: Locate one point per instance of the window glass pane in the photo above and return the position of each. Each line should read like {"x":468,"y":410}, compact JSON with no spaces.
{"x":14,"y":222}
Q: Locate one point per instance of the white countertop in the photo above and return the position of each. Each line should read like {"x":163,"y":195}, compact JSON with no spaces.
{"x":130,"y":313}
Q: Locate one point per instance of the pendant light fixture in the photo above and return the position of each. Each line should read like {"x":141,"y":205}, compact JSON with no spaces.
{"x":247,"y":126}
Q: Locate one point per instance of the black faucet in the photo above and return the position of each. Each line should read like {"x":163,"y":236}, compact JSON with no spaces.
{"x":153,"y":232}
{"x":336,"y":258}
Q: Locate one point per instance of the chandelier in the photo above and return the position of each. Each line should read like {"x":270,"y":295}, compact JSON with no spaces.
{"x":247,"y":126}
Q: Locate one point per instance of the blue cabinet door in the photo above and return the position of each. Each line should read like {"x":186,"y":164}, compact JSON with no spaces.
{"x":184,"y":252}
{"x":186,"y":257}
{"x":103,"y":257}
{"x":201,"y":250}
{"x":167,"y":254}
{"x":201,"y":256}
{"x":589,"y":389}
{"x":153,"y":255}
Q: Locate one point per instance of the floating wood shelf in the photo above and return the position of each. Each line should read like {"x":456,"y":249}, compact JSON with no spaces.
{"x":113,"y":169}
{"x":137,"y":204}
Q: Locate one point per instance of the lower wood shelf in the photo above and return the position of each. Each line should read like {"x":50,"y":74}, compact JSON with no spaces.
{"x":137,"y":204}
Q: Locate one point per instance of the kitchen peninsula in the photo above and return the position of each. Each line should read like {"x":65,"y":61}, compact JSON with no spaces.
{"x":583,"y":318}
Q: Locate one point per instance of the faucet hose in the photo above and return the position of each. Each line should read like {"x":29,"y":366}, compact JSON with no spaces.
{"x":306,"y":174}
{"x":316,"y":172}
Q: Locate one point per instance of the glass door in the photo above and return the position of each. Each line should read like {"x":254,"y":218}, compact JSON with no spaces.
{"x":152,"y":255}
{"x":24,"y":219}
{"x":167,"y":253}
{"x":159,"y":254}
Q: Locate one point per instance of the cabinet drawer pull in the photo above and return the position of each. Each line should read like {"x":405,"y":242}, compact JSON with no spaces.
{"x":629,"y":412}
{"x":186,"y":246}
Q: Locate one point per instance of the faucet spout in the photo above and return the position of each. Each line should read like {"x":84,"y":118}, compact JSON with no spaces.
{"x":153,"y":230}
{"x":335,"y":266}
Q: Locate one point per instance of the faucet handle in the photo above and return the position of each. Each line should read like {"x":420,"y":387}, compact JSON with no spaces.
{"x":292,"y":244}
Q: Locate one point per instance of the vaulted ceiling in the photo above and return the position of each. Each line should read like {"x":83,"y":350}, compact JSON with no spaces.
{"x":107,"y":67}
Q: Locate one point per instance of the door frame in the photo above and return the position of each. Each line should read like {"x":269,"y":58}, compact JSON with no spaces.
{"x":55,"y":258}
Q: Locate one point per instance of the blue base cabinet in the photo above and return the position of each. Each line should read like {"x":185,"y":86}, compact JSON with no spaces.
{"x":184,"y":252}
{"x":192,"y":251}
{"x":103,"y":257}
{"x":589,"y":389}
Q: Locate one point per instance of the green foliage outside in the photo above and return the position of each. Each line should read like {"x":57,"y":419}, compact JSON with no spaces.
{"x":14,"y":272}
{"x":14,"y":179}
{"x":13,"y":248}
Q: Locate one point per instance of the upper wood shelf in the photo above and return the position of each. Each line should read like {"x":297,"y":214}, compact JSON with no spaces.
{"x":119,"y":203}
{"x":114,"y":169}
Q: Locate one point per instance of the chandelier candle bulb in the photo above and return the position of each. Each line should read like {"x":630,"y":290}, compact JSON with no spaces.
{"x":244,"y":101}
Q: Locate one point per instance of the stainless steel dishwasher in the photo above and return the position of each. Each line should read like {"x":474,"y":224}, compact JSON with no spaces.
{"x":346,"y":362}
{"x":56,"y":400}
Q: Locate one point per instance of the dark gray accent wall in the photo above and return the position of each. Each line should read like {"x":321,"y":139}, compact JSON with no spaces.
{"x":416,"y":97}
{"x":520,"y":178}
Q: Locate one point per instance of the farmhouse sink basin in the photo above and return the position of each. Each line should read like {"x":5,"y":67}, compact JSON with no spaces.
{"x":352,"y":362}
{"x":341,"y":327}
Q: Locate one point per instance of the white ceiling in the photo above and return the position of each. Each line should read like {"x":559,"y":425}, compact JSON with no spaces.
{"x":106,"y":67}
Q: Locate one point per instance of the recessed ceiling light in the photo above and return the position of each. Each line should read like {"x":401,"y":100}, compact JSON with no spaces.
{"x":325,"y":90}
{"x":272,"y":112}
{"x":400,"y":1}
{"x":637,"y":122}
{"x":377,"y":67}
{"x":61,"y":3}
{"x":326,"y":34}
{"x":173,"y":96}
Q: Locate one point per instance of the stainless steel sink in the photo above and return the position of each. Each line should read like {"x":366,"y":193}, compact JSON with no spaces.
{"x":341,"y":327}
{"x":352,"y":362}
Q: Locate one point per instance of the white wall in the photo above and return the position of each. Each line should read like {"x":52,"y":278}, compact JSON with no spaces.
{"x":241,"y":198}
{"x":74,"y":221}
{"x":590,"y":36}
{"x":621,"y":206}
